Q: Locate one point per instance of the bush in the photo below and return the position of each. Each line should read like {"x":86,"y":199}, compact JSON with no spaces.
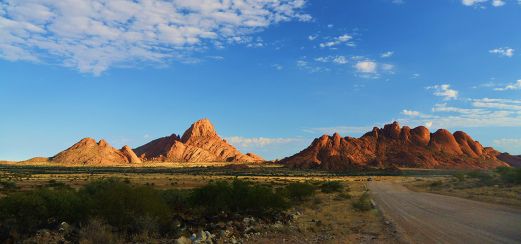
{"x":460,"y":177}
{"x":96,"y":231}
{"x":26,"y":212}
{"x":237,"y":197}
{"x":299,"y":191}
{"x":342,"y":196}
{"x":485,"y":178}
{"x":177,"y":200}
{"x":331,"y":186}
{"x":437,"y":183}
{"x":363,"y":203}
{"x":124,"y":206}
{"x":509,"y":175}
{"x":55,"y":184}
{"x":105,"y":205}
{"x":8,"y":185}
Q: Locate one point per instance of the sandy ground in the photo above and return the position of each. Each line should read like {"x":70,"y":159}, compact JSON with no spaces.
{"x":430,"y":218}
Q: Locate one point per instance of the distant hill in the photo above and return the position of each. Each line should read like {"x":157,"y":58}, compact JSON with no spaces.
{"x":512,"y":160}
{"x":396,"y":146}
{"x":87,"y":151}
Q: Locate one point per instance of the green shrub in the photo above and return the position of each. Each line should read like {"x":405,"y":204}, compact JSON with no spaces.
{"x":342,"y":196}
{"x":56,"y":184}
{"x":460,"y":177}
{"x":299,"y":191}
{"x":509,"y":175}
{"x":177,"y":200}
{"x":237,"y":197}
{"x":25,"y":212}
{"x":485,"y":178}
{"x":97,"y":231}
{"x":123,"y":205}
{"x":363,"y":203}
{"x":8,"y":185}
{"x":437,"y":183}
{"x":331,"y":186}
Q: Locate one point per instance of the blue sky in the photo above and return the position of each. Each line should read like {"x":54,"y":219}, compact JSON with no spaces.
{"x":270,"y":75}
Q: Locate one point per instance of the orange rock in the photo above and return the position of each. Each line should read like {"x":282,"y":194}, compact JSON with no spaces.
{"x":442,"y":140}
{"x":420,"y":136}
{"x":199,"y":143}
{"x":87,"y":151}
{"x":393,"y":146}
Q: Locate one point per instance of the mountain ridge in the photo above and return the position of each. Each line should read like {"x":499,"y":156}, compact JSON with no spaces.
{"x":397,"y":146}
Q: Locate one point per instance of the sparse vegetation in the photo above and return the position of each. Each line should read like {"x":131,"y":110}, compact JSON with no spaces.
{"x":331,"y":186}
{"x":299,"y":191}
{"x":363,"y":203}
{"x":237,"y":197}
{"x":502,"y":185}
{"x":112,"y":204}
{"x":509,"y":175}
{"x":8,"y":185}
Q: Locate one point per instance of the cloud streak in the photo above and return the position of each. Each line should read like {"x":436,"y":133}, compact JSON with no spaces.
{"x":482,"y":112}
{"x":92,"y":36}
{"x":444,"y":91}
{"x":258,"y":141}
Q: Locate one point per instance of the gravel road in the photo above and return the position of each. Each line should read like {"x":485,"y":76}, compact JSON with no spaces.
{"x":432,"y":218}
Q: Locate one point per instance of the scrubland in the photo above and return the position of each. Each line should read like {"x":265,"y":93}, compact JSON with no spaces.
{"x":195,"y":205}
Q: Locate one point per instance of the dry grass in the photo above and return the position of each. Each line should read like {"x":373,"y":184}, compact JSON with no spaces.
{"x":326,"y":218}
{"x":508,"y":195}
{"x":331,"y":219}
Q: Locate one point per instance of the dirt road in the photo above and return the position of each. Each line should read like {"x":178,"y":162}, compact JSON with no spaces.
{"x":431,"y":218}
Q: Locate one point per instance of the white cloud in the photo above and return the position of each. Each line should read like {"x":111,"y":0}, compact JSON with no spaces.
{"x":337,"y":41}
{"x":444,"y":91}
{"x":387,"y":67}
{"x":366,"y":66}
{"x":472,"y":2}
{"x":512,"y":145}
{"x":333,"y":59}
{"x":428,"y":124}
{"x":498,"y":3}
{"x":411,"y":113}
{"x":501,"y":104}
{"x":483,"y":112}
{"x":387,"y":54}
{"x":514,"y":86}
{"x":343,"y":130}
{"x":278,"y":66}
{"x":312,"y":37}
{"x":304,"y":65}
{"x":494,"y":3}
{"x":503,"y":51}
{"x":92,"y":36}
{"x":370,"y":69}
{"x":258,"y":141}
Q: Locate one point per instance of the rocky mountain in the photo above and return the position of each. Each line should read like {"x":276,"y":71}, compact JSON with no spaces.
{"x":512,"y":160}
{"x":87,"y":151}
{"x":396,"y":146}
{"x":200,"y":143}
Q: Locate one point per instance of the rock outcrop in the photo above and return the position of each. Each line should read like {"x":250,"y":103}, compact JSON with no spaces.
{"x":87,"y":151}
{"x":512,"y":160}
{"x":395,"y":146}
{"x":200,"y":143}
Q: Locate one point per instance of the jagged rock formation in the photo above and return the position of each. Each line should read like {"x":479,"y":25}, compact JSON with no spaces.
{"x":200,"y":143}
{"x":396,"y":146}
{"x":512,"y":160}
{"x":87,"y":151}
